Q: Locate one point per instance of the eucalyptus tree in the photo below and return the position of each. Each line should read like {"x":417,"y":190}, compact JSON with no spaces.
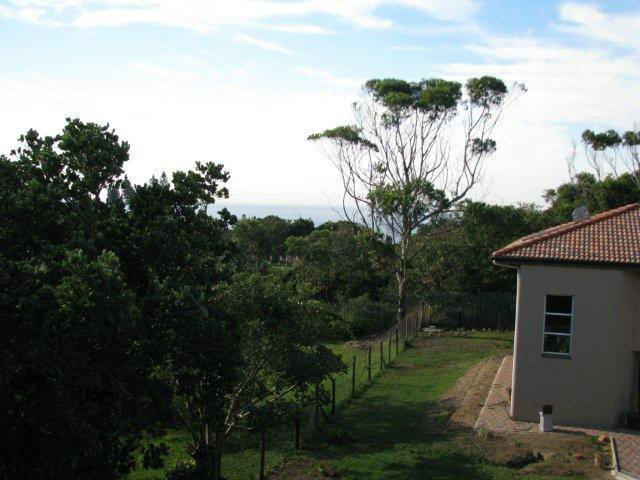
{"x":414,"y":151}
{"x":610,"y":153}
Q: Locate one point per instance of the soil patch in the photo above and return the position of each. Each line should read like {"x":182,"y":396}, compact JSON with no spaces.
{"x":528,"y":452}
{"x":467,"y":396}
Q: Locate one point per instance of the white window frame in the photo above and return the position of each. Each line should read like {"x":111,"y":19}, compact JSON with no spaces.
{"x":544,"y":323}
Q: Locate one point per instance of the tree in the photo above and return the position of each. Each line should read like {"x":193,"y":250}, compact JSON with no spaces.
{"x":73,"y":375}
{"x":458,"y":256}
{"x":267,"y":352}
{"x":610,"y":153}
{"x":597,"y":195}
{"x":262,"y":241}
{"x":416,"y":150}
{"x":339,"y":261}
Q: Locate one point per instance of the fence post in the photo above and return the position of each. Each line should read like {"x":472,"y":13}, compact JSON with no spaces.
{"x":389,"y":345}
{"x":396,"y":341}
{"x":381,"y":356}
{"x":353,"y":377}
{"x":420,"y":320}
{"x":369,"y":363}
{"x":263,"y":442}
{"x":296,"y":431}
{"x":333,"y":395}
{"x":315,"y":416}
{"x":406,"y":327}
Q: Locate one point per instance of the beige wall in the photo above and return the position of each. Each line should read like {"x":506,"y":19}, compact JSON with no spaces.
{"x":595,"y":386}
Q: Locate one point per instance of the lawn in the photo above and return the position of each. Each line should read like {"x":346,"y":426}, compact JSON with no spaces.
{"x":395,"y":429}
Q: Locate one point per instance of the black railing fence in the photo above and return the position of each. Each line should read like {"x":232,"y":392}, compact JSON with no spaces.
{"x":480,"y":311}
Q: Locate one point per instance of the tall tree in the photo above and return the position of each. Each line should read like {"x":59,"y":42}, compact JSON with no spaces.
{"x":415,"y":150}
{"x":73,"y":375}
{"x":610,"y":153}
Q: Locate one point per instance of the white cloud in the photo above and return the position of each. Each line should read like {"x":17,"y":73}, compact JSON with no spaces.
{"x":171,"y":122}
{"x":264,"y":44}
{"x":590,"y":21}
{"x":299,"y":28}
{"x":205,"y":15}
{"x":569,"y":89}
{"x":326,"y":77}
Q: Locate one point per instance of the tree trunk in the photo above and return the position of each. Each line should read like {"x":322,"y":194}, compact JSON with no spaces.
{"x":263,"y":446}
{"x":402,"y":294}
{"x":209,"y":461}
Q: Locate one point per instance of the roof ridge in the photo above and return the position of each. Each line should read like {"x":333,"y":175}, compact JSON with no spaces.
{"x":562,"y":229}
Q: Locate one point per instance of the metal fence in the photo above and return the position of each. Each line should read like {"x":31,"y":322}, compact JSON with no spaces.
{"x":480,"y":311}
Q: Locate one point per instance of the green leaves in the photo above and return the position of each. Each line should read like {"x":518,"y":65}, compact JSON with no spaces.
{"x":603,"y":140}
{"x":345,"y":133}
{"x":486,"y":91}
{"x":435,"y":96}
{"x":413,"y":201}
{"x":438,"y":96}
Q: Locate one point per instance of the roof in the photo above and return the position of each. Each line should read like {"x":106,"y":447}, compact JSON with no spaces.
{"x":611,"y":238}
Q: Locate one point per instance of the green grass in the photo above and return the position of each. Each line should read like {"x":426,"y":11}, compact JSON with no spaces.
{"x":241,"y":459}
{"x":395,"y":429}
{"x":392,"y":429}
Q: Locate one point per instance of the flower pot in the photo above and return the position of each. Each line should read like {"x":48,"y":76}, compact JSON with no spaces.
{"x":546,"y":422}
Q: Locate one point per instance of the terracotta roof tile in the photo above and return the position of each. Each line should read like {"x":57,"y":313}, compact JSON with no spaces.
{"x":609,"y":237}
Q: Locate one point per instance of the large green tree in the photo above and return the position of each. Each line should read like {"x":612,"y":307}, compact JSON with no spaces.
{"x":414,"y":151}
{"x":121,"y":312}
{"x":458,"y":256}
{"x":339,"y":261}
{"x":262,"y":241}
{"x":73,"y":375}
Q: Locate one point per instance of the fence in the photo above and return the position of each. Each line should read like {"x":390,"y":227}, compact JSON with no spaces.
{"x":494,"y":311}
{"x":367,"y":359}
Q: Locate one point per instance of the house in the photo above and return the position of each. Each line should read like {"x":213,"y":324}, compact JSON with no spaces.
{"x":577,"y":336}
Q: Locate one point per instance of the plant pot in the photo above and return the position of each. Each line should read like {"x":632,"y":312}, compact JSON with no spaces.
{"x":546,"y":422}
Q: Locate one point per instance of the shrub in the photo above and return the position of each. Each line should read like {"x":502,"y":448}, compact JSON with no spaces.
{"x":186,"y":470}
{"x":153,"y":455}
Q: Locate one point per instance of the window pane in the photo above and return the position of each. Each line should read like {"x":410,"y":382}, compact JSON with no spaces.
{"x":558,"y":304}
{"x":556,"y":344}
{"x":557,"y":323}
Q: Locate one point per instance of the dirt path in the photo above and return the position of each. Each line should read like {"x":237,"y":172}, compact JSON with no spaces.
{"x":467,"y":396}
{"x":530,"y":452}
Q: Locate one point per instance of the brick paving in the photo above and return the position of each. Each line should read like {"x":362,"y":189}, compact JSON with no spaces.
{"x":494,"y":416}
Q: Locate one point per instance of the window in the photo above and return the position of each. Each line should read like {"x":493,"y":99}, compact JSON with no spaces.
{"x":557,"y":324}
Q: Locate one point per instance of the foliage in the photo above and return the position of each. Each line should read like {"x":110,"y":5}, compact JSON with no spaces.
{"x":596,"y":195}
{"x":153,"y":455}
{"x":340,"y":261}
{"x":185,"y":470}
{"x":262,"y":241}
{"x":71,"y":359}
{"x":457,"y":256}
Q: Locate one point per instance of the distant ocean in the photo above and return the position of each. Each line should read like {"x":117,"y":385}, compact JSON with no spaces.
{"x":318,"y":214}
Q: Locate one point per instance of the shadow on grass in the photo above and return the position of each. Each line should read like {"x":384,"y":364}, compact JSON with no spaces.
{"x":453,"y":466}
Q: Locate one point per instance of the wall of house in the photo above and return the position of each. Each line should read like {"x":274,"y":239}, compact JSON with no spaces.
{"x":593,"y":387}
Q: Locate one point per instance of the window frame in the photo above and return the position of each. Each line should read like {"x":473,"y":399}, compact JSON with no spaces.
{"x":544,"y":326}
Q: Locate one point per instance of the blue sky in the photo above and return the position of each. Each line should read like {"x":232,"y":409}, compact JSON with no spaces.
{"x":244,"y":82}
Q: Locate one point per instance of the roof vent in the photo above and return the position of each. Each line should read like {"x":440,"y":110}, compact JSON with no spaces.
{"x":580,"y":213}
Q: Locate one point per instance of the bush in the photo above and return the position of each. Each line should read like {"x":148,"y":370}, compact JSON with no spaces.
{"x":362,"y":316}
{"x":186,"y":470}
{"x":153,"y":455}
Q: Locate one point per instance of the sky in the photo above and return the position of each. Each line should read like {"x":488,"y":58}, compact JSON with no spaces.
{"x":244,"y":82}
